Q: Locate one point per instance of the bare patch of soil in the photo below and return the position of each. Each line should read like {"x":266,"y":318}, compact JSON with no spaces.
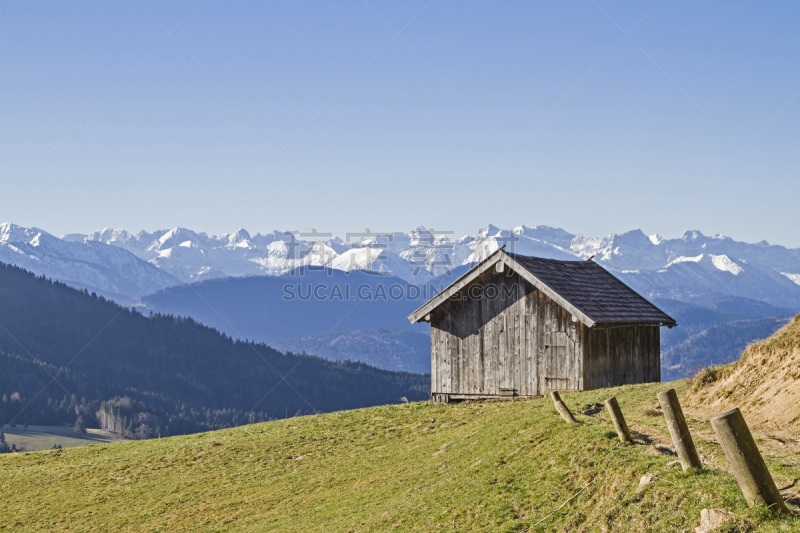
{"x":764,"y":384}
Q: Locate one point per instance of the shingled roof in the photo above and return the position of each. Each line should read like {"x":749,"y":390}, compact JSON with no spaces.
{"x":585,"y":288}
{"x":595,"y":291}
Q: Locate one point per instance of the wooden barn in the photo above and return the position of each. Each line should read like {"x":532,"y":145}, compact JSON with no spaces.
{"x":522,"y":326}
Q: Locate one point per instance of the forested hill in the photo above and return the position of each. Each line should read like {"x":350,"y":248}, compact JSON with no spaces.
{"x":157,"y":375}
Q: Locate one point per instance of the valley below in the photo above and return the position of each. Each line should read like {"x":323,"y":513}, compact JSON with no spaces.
{"x":38,"y":438}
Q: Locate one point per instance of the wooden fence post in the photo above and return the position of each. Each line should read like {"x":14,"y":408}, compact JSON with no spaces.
{"x":746,"y":462}
{"x":562,"y":408}
{"x":619,"y":421}
{"x":679,"y":430}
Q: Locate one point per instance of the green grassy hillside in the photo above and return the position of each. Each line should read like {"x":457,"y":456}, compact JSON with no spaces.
{"x":486,"y":466}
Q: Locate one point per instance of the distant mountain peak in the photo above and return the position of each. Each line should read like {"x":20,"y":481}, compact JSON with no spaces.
{"x":74,"y":237}
{"x":110,"y":234}
{"x":726,"y":264}
{"x":241,"y":233}
{"x":692,"y":235}
{"x":490,"y":230}
{"x":12,"y":233}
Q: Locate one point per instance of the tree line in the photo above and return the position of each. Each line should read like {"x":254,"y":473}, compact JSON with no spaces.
{"x":67,"y":353}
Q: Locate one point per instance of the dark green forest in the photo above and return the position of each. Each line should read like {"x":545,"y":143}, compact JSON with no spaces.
{"x":65,"y":353}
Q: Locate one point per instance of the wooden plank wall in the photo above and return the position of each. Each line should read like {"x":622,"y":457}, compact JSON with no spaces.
{"x":621,"y":356}
{"x":479,"y":346}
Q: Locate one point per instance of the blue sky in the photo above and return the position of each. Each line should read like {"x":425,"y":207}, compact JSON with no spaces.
{"x":597,"y":117}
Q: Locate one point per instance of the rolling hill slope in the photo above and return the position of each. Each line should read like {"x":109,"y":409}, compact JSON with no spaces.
{"x":509,"y":466}
{"x":150,"y":373}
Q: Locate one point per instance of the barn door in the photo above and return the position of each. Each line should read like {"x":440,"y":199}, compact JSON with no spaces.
{"x":556,"y":362}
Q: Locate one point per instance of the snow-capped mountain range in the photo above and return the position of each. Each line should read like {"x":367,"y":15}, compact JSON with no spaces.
{"x":119,"y":263}
{"x":92,"y":265}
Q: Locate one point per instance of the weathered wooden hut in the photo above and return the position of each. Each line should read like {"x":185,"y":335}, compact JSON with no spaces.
{"x":521,"y":326}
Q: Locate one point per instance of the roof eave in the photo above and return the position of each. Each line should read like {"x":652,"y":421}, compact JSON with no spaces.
{"x":655,"y":323}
